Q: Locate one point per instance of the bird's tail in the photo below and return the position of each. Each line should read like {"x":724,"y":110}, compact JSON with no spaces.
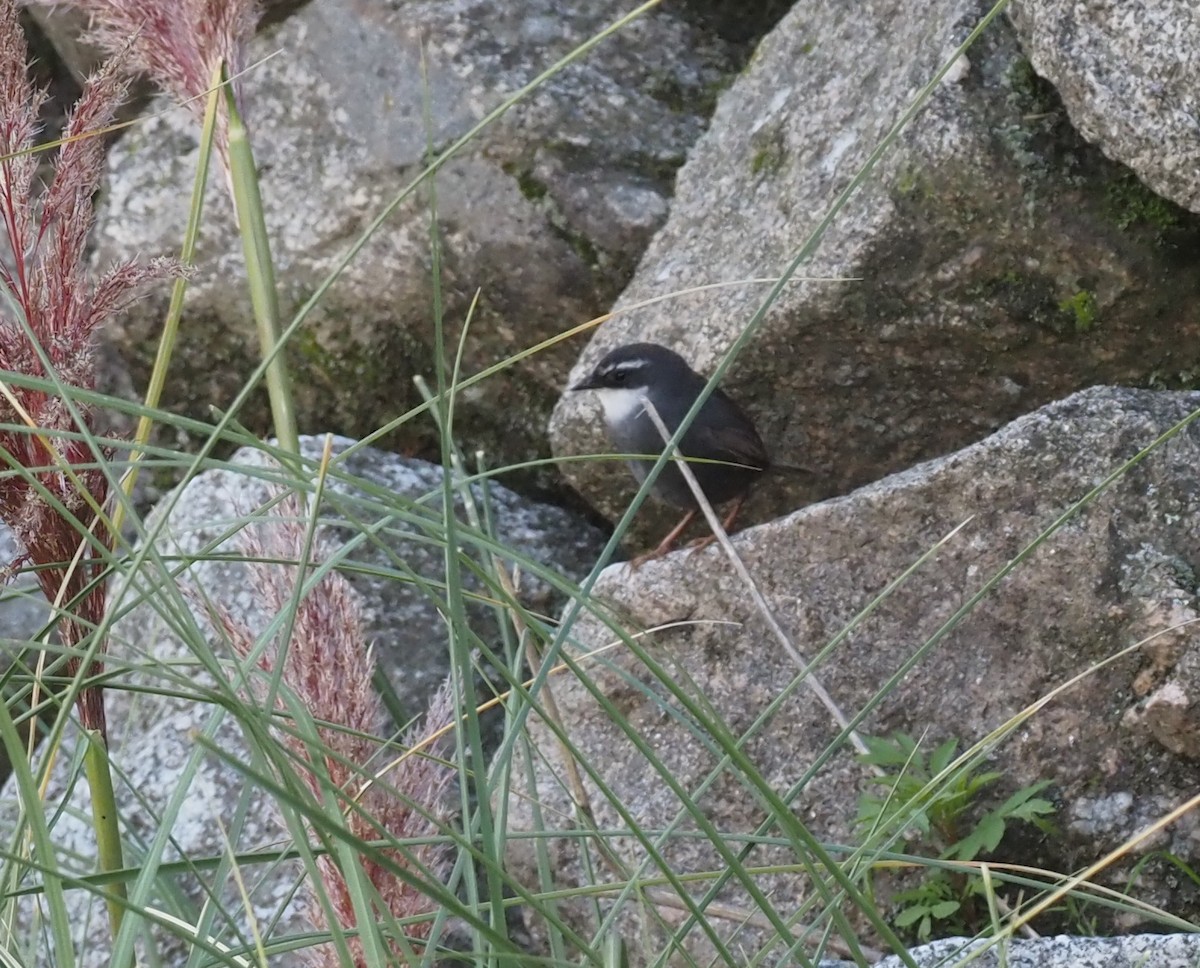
{"x":791,"y":470}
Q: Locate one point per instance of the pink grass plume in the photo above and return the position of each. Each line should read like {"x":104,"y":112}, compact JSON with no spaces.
{"x":385,"y":792}
{"x":55,"y":483}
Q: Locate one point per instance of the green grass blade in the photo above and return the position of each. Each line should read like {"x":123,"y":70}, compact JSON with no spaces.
{"x":40,"y":839}
{"x":105,"y":820}
{"x":260,"y":270}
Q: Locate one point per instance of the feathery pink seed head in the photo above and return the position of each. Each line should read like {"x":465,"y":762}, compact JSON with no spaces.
{"x":178,"y":44}
{"x":327,"y":665}
{"x":48,"y":327}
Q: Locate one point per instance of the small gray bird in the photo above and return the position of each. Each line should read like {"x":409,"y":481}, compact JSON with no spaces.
{"x":631,"y":374}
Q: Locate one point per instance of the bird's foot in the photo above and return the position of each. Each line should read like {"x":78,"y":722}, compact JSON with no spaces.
{"x":701,"y":543}
{"x":665,"y":547}
{"x":635,"y":563}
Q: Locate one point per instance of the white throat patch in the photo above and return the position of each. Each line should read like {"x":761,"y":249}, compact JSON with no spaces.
{"x":620,"y":404}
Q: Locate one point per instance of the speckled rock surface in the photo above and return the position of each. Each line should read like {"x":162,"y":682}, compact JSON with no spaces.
{"x":153,"y":736}
{"x":543,"y":216}
{"x":995,"y":261}
{"x":1138,"y":951}
{"x":23,"y":613}
{"x":1114,"y":577}
{"x":1128,"y":74}
{"x":23,"y":610}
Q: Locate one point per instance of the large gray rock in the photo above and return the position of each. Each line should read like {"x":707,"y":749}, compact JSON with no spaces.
{"x":153,"y":732}
{"x":1128,"y":75}
{"x":996,"y":261}
{"x":403,"y":622}
{"x":1119,"y":572}
{"x":543,"y":215}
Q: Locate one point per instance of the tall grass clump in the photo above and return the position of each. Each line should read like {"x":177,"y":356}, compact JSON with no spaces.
{"x":55,"y":494}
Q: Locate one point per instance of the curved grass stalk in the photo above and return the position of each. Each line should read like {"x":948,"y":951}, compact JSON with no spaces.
{"x":170,"y":331}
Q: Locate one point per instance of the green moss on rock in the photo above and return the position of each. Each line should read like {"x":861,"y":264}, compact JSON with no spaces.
{"x":768,"y":152}
{"x":1131,"y":204}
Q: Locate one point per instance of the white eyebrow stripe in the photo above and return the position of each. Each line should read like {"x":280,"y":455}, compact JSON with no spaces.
{"x":627,"y":365}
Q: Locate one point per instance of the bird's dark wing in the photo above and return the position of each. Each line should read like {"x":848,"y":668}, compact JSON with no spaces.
{"x":734,"y":440}
{"x":735,"y":447}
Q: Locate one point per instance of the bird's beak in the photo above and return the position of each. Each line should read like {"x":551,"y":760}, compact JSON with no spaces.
{"x":588,"y":383}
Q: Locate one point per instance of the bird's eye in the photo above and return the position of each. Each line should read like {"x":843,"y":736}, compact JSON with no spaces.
{"x":618,"y":376}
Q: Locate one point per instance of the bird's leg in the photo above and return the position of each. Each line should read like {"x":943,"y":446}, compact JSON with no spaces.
{"x":665,"y":545}
{"x":701,"y":543}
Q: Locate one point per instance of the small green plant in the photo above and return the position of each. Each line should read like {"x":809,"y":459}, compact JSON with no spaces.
{"x":934,"y":899}
{"x":1082,"y":306}
{"x":939,"y":803}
